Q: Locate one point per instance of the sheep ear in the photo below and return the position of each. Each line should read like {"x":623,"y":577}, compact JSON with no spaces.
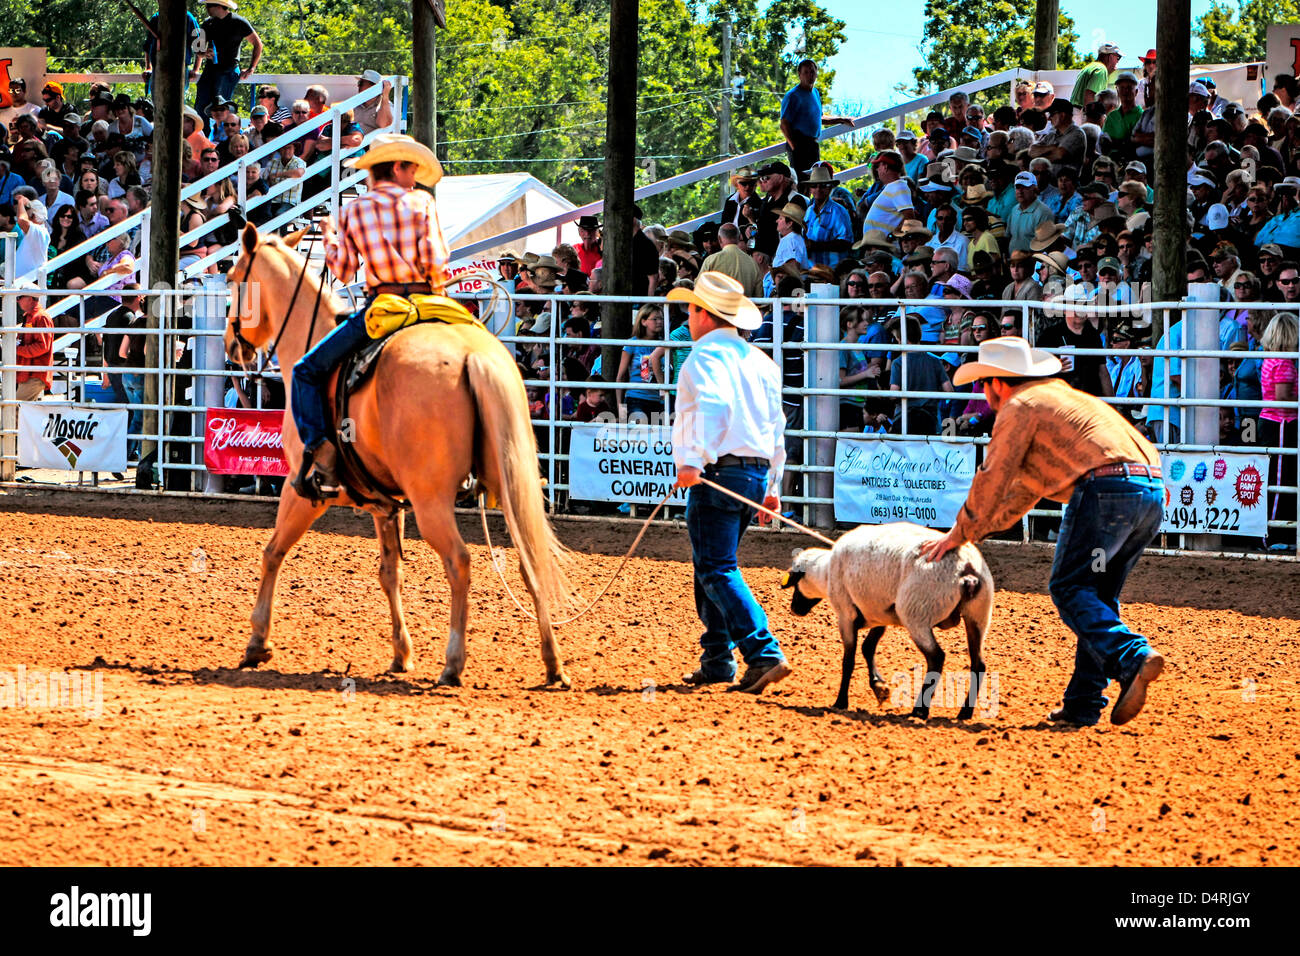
{"x":790,"y":579}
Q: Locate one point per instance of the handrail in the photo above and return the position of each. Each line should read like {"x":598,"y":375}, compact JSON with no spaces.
{"x":734,"y":162}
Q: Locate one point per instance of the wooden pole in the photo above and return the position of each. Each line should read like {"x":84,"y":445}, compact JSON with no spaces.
{"x":1169,"y":268}
{"x":423,"y":95}
{"x":620,"y":177}
{"x":165,"y":202}
{"x":724,"y":115}
{"x":1047,"y":21}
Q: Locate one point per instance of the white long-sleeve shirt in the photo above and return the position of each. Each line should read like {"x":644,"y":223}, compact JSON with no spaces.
{"x":729,"y":403}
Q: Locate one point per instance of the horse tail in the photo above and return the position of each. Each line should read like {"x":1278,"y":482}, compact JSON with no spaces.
{"x":507,"y":432}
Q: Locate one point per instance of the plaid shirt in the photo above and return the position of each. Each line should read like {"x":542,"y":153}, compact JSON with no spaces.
{"x":396,"y":233}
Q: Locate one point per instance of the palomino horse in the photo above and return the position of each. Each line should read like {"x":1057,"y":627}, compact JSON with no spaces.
{"x":444,"y":400}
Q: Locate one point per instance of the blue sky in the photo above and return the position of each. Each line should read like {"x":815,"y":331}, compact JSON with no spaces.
{"x":881,"y":48}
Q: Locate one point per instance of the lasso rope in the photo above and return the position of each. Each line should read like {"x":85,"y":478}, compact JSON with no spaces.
{"x":645,"y":525}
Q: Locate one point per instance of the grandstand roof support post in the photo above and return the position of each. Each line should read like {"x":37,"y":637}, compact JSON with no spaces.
{"x":1047,"y":22}
{"x":1169,"y":268}
{"x":620,"y":178}
{"x":164,"y":227}
{"x":424,"y":92}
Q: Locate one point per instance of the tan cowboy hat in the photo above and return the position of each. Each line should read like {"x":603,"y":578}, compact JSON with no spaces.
{"x":913,"y":227}
{"x":788,"y":268}
{"x":722,"y":296}
{"x":821,"y":273}
{"x":681,"y":239}
{"x":400,"y":148}
{"x":875,"y":239}
{"x":1045,"y":235}
{"x":1009,"y":356}
{"x":792,"y":211}
{"x":1055,"y":261}
{"x":976,"y":195}
{"x":193,"y":114}
{"x":922,"y":254}
{"x":544,"y":262}
{"x":820,"y":176}
{"x":744,"y":173}
{"x":228,"y":4}
{"x":196,"y":202}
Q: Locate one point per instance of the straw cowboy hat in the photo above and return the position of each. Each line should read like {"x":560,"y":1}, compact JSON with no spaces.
{"x":913,"y":227}
{"x":400,"y":148}
{"x":793,"y":212}
{"x":228,"y":4}
{"x":744,"y":174}
{"x":721,"y":296}
{"x":1007,"y":357}
{"x":820,"y":176}
{"x":821,"y":273}
{"x":976,"y":195}
{"x":875,"y":239}
{"x":1045,"y":236}
{"x":1055,"y":261}
{"x":544,"y":262}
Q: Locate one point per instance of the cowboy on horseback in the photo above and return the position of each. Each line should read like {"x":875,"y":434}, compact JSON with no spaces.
{"x":393,"y":228}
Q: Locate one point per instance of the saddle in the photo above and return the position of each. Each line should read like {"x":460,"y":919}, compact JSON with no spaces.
{"x":388,"y":316}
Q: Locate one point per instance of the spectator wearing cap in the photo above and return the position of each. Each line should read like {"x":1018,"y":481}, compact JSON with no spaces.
{"x":802,"y":119}
{"x":936,"y":141}
{"x":1048,"y":194}
{"x":913,"y":162}
{"x":1042,"y":96}
{"x":1087,"y":373}
{"x":151,"y":51}
{"x":32,"y":221}
{"x":374,"y":114}
{"x":894,"y":204}
{"x":51,"y":115}
{"x":1027,"y":215}
{"x":258,"y":120}
{"x":1095,"y":77}
{"x":1064,"y":143}
{"x":828,"y":229}
{"x":222,"y":35}
{"x":777,"y":186}
{"x":1198,"y":117}
{"x":269,"y":96}
{"x":1284,"y":228}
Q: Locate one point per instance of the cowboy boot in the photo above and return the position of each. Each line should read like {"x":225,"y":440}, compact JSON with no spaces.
{"x":324,"y":478}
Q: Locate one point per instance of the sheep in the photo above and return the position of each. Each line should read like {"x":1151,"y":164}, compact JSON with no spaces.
{"x":874,"y":576}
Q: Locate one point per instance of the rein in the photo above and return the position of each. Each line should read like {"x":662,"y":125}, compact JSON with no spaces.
{"x":236,"y":321}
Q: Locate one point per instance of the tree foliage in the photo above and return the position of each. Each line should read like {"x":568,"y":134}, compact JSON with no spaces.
{"x":1240,"y":35}
{"x":966,"y":39}
{"x":521,"y":83}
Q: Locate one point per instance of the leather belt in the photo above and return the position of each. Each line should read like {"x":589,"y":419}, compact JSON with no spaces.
{"x":1125,"y":469}
{"x":398,"y":288}
{"x":739,"y":460}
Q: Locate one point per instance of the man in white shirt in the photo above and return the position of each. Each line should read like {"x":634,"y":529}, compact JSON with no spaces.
{"x":729,"y":429}
{"x":789,"y":226}
{"x":894,"y":204}
{"x":34,"y":246}
{"x":946,"y":235}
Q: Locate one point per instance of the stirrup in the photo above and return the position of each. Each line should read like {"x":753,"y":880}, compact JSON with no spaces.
{"x":307,"y":483}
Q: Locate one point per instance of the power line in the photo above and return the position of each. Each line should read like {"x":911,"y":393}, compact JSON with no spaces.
{"x":556,"y":129}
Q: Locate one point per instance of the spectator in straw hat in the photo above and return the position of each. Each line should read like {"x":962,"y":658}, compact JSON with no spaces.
{"x":221,"y":36}
{"x":789,"y":226}
{"x":1052,"y":441}
{"x":828,"y":235}
{"x":729,"y":429}
{"x":743,"y":182}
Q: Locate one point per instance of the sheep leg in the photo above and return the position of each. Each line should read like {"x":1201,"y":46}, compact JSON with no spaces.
{"x":878,"y":685}
{"x":974,"y":640}
{"x":849,"y":635}
{"x":924,"y":640}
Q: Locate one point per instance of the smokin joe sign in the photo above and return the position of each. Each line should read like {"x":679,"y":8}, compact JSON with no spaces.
{"x":1215,"y":494}
{"x":623,"y":464}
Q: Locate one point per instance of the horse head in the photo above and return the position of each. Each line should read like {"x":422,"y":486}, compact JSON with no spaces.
{"x":266,"y":266}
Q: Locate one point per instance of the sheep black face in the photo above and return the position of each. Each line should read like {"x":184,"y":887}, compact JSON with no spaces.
{"x":800,"y":604}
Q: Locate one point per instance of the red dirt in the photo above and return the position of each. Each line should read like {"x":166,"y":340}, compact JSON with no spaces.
{"x":192,"y":762}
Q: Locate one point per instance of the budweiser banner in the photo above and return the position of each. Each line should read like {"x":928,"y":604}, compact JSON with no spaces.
{"x":71,"y":437}
{"x":244,"y":441}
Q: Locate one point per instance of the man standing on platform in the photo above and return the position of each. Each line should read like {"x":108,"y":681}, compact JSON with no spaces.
{"x":730,"y":429}
{"x":222,"y":34}
{"x":802,"y":119}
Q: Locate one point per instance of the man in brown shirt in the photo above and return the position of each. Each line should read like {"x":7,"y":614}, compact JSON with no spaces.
{"x":1053,"y":441}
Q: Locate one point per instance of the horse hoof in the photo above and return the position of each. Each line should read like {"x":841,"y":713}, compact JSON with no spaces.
{"x":881,"y":691}
{"x":400,"y":667}
{"x":253,"y":658}
{"x":841,"y":703}
{"x":560,"y":678}
{"x":449,"y":679}
{"x":921,"y":713}
{"x":966,"y":713}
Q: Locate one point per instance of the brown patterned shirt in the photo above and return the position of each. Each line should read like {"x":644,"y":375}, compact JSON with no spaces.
{"x":1045,"y":437}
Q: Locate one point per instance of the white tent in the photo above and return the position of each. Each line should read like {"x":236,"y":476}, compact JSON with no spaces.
{"x":471,"y":208}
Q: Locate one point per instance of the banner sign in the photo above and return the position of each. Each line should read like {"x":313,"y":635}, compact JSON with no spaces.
{"x":878,"y":480}
{"x":244,"y":441}
{"x":1215,"y":494}
{"x":26,"y":63}
{"x":622,"y":463}
{"x":469,"y":286}
{"x":1282,"y":49}
{"x":71,"y":437}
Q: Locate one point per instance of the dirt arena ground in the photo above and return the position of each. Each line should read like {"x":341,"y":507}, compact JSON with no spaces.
{"x":321,"y":758}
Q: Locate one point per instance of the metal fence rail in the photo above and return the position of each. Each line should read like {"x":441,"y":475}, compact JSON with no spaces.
{"x":191,"y":353}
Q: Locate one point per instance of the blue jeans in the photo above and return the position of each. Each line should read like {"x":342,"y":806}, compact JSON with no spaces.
{"x":311,"y":376}
{"x":134,"y":387}
{"x":731,"y":616}
{"x":213,"y":82}
{"x":1104,"y":528}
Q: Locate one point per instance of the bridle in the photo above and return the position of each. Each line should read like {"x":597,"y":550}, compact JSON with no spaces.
{"x":235,"y":326}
